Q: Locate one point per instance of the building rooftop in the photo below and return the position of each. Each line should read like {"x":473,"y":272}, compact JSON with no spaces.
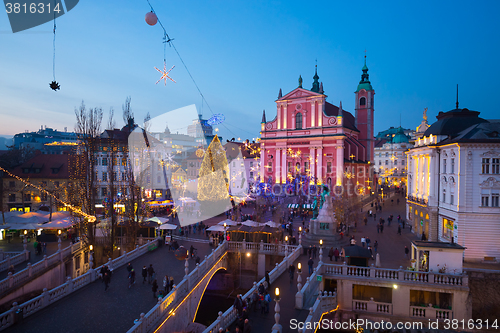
{"x":440,"y":245}
{"x":453,"y":122}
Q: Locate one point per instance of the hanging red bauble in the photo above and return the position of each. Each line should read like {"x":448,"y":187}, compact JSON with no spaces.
{"x":151,"y":18}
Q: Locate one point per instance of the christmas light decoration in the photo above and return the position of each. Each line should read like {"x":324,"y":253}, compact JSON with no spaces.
{"x":164,"y":74}
{"x":67,"y":205}
{"x":200,"y":152}
{"x":214,"y":170}
{"x":216,"y":119}
{"x":151,"y":18}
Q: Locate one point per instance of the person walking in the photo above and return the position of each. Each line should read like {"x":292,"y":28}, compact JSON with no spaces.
{"x":310,"y":263}
{"x":291,"y":272}
{"x":375,"y":246}
{"x":363,"y":241}
{"x":131,"y":278}
{"x":129,"y":267}
{"x":144,"y":274}
{"x":399,"y":229}
{"x":267,"y":300}
{"x":166,"y":283}
{"x":106,"y":280}
{"x":44,"y":248}
{"x":336,"y":254}
{"x":330,"y":254}
{"x":314,"y":250}
{"x":154,"y":288}
{"x":151,"y":271}
{"x":407,"y":251}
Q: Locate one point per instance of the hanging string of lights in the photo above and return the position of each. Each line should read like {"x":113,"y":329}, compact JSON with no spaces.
{"x":67,"y":205}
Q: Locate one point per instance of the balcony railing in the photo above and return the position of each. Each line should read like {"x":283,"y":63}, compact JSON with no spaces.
{"x":417,"y":200}
{"x":430,"y":313}
{"x":394,"y":275}
{"x":372,"y":306}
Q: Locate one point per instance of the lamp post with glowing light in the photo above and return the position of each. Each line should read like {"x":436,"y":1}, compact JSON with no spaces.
{"x":25,"y":240}
{"x":277,"y":327}
{"x":320,"y":251}
{"x":59,"y":244}
{"x":299,"y":277}
{"x":300,"y":235}
{"x":286,"y":246}
{"x":91,"y":256}
{"x":225,"y":226}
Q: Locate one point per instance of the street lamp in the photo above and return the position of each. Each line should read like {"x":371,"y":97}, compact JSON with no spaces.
{"x":320,"y":251}
{"x":91,"y":256}
{"x":277,"y":327}
{"x":299,"y":278}
{"x":286,"y":246}
{"x":59,"y":239}
{"x":300,"y":235}
{"x":225,"y":225}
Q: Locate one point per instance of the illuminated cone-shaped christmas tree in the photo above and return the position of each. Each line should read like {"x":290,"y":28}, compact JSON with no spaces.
{"x":213,"y":181}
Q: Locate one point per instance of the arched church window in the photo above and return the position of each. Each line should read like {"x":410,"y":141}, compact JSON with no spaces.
{"x":362,"y":101}
{"x":298,"y":121}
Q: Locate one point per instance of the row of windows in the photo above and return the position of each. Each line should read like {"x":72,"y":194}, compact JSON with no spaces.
{"x":27,"y":196}
{"x":452,"y":197}
{"x":105,"y":176}
{"x":395,"y":162}
{"x":122,"y":190}
{"x":493,"y":167}
{"x":490,"y":198}
{"x":105,"y":161}
{"x":445,"y":164}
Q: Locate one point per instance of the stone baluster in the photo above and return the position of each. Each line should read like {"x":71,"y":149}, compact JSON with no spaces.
{"x":11,"y":279}
{"x":69,"y":280}
{"x":186,"y":266}
{"x":45,"y":298}
{"x":261,"y":245}
{"x":45,"y":261}
{"x":30,"y":269}
{"x":277,"y":327}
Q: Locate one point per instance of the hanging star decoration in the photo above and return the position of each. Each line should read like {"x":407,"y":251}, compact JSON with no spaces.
{"x":55,"y":86}
{"x":164,"y":73}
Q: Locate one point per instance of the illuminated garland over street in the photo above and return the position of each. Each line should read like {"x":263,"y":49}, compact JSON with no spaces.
{"x":71,"y":207}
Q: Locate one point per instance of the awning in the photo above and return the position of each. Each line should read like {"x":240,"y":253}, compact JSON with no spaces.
{"x":228,"y":222}
{"x":251,"y":223}
{"x":168,"y":226}
{"x":216,"y":228}
{"x":58,"y":224}
{"x":273,"y":224}
{"x":159,"y":220}
{"x":293,"y":206}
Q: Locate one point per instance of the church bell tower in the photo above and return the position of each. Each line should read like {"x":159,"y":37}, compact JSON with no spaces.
{"x":364,"y":112}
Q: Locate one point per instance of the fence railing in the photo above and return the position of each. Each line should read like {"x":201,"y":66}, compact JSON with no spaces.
{"x":326,"y":301}
{"x":372,"y":306}
{"x":50,"y":296}
{"x":225,"y":319}
{"x":391,"y":275}
{"x":430,"y":313}
{"x":12,"y":258}
{"x":149,"y":321}
{"x":261,"y":247}
{"x":19,"y":278}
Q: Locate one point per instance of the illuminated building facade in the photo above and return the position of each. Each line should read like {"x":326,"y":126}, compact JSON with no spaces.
{"x":312,"y":137}
{"x":47,"y":140}
{"x":49,"y":172}
{"x":454,"y":183}
{"x":244,"y":166}
{"x":390,"y":159}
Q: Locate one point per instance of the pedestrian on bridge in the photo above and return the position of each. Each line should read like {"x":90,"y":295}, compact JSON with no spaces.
{"x":144,"y":274}
{"x":291,"y":272}
{"x":151,"y":272}
{"x":106,"y":278}
{"x":154,"y":288}
{"x":310,"y":263}
{"x":166,"y":284}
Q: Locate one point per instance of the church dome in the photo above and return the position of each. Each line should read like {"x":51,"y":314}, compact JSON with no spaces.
{"x":453,"y":122}
{"x":400,"y":137}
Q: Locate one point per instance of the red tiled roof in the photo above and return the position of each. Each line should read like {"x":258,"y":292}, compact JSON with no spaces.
{"x":56,"y":166}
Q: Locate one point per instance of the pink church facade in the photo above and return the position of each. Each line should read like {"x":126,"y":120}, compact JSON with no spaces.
{"x":312,"y":137}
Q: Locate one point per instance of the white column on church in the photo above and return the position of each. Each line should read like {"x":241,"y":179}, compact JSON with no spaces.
{"x":319,"y":167}
{"x":320,"y":114}
{"x":312,"y":162}
{"x":262,"y":163}
{"x":284,"y":116}
{"x":278,"y":116}
{"x":340,"y":165}
{"x":313,"y":112}
{"x":277,"y":166}
{"x":304,"y":120}
{"x":283,"y":166}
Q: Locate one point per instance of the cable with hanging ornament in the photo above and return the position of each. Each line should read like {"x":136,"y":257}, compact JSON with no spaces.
{"x":54,"y":85}
{"x":151,"y":19}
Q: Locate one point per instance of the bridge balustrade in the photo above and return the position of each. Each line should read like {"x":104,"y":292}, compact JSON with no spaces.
{"x":229,"y":316}
{"x":388,"y":274}
{"x":12,"y":258}
{"x":325,"y":302}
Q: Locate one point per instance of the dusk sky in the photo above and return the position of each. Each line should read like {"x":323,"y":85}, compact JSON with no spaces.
{"x":242,"y":52}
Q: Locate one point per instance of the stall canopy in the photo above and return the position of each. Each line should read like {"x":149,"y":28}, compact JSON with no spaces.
{"x":168,"y":226}
{"x":158,"y":220}
{"x":59,"y":224}
{"x":251,"y":223}
{"x":273,"y":224}
{"x":228,"y":222}
{"x":293,"y":206}
{"x":216,"y":228}
{"x":22,"y":226}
